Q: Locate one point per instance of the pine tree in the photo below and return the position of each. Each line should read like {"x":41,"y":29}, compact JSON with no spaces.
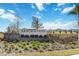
{"x":36,"y":23}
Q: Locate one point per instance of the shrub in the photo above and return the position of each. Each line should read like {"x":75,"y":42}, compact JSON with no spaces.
{"x":5,"y":45}
{"x":30,"y":46}
{"x":20,"y":51}
{"x":16,"y":48}
{"x":26,"y":48}
{"x":35,"y":48}
{"x":72,"y":47}
{"x":13,"y":46}
{"x":50,"y":49}
{"x":44,"y":47}
{"x":41,"y":50}
{"x":27,"y":43}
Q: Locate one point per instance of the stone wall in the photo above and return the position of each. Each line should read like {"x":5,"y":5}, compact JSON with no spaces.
{"x":61,"y":38}
{"x":10,"y":37}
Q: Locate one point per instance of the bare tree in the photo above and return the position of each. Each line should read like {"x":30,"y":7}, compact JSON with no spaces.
{"x":12,"y":28}
{"x":8,"y":29}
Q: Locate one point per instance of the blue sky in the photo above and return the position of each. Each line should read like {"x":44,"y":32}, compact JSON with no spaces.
{"x":52,"y":15}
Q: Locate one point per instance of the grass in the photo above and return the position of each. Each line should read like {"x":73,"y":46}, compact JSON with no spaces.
{"x":52,"y":53}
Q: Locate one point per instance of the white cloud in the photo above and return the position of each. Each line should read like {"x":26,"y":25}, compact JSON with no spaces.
{"x":7,"y":15}
{"x":11,"y":11}
{"x":47,"y":3}
{"x":55,"y":9}
{"x":59,"y":25}
{"x":68,"y":9}
{"x":2,"y":11}
{"x":39,"y":6}
{"x":37,"y":13}
{"x":60,"y":4}
{"x":37,"y":16}
{"x":3,"y":28}
{"x":23,"y":21}
{"x":33,"y":6}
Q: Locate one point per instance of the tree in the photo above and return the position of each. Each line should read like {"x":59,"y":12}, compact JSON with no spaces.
{"x":75,"y":11}
{"x":36,"y":23}
{"x":8,"y":29}
{"x":12,"y":28}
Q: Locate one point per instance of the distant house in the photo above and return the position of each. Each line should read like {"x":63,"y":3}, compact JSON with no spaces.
{"x":30,"y":32}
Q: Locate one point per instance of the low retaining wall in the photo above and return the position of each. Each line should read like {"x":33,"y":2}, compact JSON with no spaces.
{"x":8,"y":36}
{"x":57,"y":38}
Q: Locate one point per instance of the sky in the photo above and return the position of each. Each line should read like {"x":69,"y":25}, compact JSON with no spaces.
{"x":51,"y":15}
